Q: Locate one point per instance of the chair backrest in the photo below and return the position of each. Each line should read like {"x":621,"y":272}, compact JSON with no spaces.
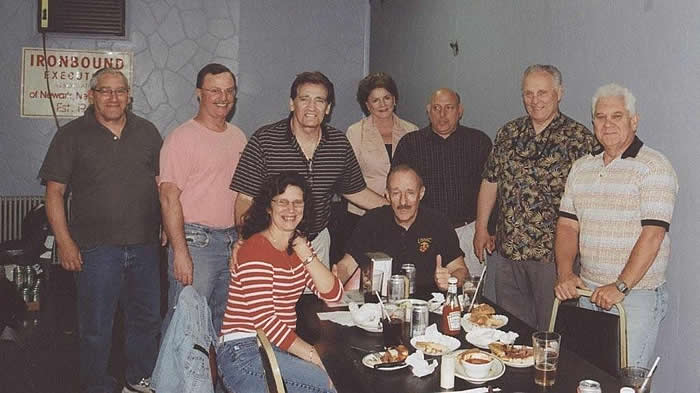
{"x":273,"y":376}
{"x":600,"y":337}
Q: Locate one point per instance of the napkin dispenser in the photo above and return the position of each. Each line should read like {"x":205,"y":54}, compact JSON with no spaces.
{"x":375,"y":275}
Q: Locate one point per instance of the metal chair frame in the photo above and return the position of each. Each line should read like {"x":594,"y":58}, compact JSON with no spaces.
{"x":622,"y":324}
{"x":266,"y":348}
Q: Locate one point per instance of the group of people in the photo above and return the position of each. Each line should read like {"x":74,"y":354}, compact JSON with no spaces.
{"x":247,"y":220}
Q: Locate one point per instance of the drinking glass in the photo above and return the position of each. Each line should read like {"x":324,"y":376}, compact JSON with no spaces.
{"x":546,"y":351}
{"x":469,"y":291}
{"x":634,"y":378}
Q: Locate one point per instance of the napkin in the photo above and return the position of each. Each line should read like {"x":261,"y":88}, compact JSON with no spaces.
{"x":419,"y":366}
{"x":369,"y":314}
{"x":435,"y":303}
{"x":488,"y":335}
{"x":340,"y":317}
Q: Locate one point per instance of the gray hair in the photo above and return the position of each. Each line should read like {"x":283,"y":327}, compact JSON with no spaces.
{"x":548,"y":68}
{"x":615,"y":90}
{"x":105,"y":71}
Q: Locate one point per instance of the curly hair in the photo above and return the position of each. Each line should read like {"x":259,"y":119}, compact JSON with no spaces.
{"x":375,"y":80}
{"x":257,"y":218}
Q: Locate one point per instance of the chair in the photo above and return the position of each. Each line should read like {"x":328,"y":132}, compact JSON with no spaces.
{"x":595,"y":335}
{"x":269,"y":361}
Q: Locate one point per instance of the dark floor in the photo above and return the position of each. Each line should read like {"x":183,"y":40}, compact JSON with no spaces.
{"x":44,"y":358}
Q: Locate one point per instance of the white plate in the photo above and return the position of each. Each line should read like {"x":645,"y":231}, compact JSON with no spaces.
{"x":375,"y":358}
{"x":468,"y":325}
{"x":523,"y":363}
{"x":496,"y":371}
{"x":450,"y":342}
{"x":480,"y":341}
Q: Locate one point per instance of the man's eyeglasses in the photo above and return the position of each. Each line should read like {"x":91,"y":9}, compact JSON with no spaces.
{"x":217,"y":91}
{"x":284,"y":203}
{"x":107,"y":92}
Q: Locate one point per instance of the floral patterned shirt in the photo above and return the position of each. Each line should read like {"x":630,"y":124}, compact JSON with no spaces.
{"x":530,"y":170}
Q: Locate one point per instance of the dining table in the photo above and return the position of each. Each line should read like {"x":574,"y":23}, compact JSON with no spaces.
{"x":342,"y":348}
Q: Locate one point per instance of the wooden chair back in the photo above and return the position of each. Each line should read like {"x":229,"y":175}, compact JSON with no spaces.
{"x":273,"y":376}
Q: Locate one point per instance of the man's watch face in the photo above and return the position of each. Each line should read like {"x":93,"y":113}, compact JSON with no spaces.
{"x":621,"y":286}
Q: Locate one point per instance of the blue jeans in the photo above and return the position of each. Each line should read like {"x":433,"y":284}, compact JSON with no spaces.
{"x":210,"y":250}
{"x":645,"y":309}
{"x":127,"y":276}
{"x":241,"y":369}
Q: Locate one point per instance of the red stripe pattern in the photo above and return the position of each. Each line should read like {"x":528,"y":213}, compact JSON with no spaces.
{"x":264,"y":290}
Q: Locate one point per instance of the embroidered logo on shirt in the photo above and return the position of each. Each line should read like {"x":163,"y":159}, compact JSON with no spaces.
{"x":424,"y":243}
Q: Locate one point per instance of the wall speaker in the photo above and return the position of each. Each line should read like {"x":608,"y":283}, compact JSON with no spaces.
{"x":90,"y":17}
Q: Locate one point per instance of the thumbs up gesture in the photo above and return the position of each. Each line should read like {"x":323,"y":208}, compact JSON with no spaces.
{"x":441,"y":274}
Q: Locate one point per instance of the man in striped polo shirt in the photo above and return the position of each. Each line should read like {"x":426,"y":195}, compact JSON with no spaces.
{"x":616,"y":211}
{"x":305,"y":144}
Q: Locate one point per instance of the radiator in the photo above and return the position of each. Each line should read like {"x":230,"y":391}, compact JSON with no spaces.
{"x":12,"y":212}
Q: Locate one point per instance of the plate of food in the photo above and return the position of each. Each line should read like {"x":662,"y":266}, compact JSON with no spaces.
{"x":391,"y":359}
{"x":482,"y":337}
{"x":432,"y":346}
{"x":518,"y":356}
{"x":496,"y":367}
{"x":483,"y":315}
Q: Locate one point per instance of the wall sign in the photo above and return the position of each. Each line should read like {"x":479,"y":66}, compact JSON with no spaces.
{"x":69,"y":73}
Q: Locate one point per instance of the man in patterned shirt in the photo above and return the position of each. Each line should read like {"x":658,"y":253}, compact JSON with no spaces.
{"x":527,"y":169}
{"x":616,"y":212}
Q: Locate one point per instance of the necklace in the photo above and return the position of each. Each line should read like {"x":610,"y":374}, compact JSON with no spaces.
{"x":278,"y":245}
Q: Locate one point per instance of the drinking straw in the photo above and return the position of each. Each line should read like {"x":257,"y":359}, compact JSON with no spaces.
{"x":386,"y":314}
{"x":483,"y":272}
{"x":651,"y":371}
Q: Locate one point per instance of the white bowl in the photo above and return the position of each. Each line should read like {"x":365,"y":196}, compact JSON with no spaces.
{"x":477,"y":370}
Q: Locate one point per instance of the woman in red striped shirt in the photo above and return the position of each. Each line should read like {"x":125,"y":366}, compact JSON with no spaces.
{"x":275,"y":264}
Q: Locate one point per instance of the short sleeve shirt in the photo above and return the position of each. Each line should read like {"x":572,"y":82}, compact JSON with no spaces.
{"x":112,"y":180}
{"x":429,"y":235}
{"x":450,"y":167}
{"x":612,"y":203}
{"x":530,"y":170}
{"x":274,"y":149}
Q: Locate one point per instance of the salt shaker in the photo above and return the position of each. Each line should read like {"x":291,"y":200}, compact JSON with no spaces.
{"x":447,"y":371}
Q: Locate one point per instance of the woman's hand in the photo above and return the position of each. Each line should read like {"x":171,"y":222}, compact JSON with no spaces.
{"x":302,"y":247}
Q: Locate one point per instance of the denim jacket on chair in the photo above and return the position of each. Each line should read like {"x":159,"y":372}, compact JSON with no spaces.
{"x":183,"y":360}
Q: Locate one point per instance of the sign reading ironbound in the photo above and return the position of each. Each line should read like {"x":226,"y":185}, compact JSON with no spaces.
{"x":68,"y":72}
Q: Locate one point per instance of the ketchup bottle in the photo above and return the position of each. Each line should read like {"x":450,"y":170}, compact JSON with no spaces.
{"x":452,"y":310}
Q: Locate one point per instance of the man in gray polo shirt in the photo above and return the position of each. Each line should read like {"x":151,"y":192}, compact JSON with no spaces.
{"x":108,"y":160}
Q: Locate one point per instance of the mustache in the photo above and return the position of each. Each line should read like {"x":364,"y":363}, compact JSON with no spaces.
{"x":403,"y":207}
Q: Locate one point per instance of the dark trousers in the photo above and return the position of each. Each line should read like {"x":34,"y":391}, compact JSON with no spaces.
{"x":525,"y":288}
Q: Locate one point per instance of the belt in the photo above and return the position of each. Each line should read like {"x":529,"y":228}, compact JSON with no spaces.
{"x":235,"y":336}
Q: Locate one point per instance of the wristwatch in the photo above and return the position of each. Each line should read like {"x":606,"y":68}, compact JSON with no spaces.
{"x":621,"y":286}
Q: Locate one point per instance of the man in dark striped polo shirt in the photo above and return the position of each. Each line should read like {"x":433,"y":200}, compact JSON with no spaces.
{"x":303,"y":143}
{"x":450,"y":158}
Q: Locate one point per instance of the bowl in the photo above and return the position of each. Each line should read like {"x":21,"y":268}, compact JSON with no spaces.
{"x":477,"y":364}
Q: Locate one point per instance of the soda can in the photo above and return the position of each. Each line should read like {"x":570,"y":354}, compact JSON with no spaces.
{"x":419,"y":319}
{"x":26,"y":294}
{"x":588,"y":386}
{"x":397,"y":288}
{"x":18,"y":277}
{"x":29,"y":277}
{"x":409,"y":270}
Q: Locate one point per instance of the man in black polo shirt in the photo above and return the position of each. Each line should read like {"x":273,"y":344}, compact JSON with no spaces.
{"x":450,"y":158}
{"x":407,"y":232}
{"x":304,"y":144}
{"x":108,"y":159}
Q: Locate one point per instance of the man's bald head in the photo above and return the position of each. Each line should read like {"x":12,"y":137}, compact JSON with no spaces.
{"x":444,"y":110}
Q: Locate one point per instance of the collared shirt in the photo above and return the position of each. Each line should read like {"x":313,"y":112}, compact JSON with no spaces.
{"x":613,"y":202}
{"x":112,"y":179}
{"x":372,"y":154}
{"x":450,"y":167}
{"x":530,"y":170}
{"x":274,"y":149}
{"x":429,"y":235}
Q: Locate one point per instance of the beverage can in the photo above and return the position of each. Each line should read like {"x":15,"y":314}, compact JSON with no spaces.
{"x":588,"y":386}
{"x":419,"y":319}
{"x":397,"y":288}
{"x":409,"y":270}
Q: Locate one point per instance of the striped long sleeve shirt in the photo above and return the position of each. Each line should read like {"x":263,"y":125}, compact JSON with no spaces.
{"x":264,"y":290}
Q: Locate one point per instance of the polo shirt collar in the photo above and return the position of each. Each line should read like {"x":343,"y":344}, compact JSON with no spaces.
{"x":556,"y":122}
{"x":440,"y":138}
{"x":415,"y":222}
{"x":631,"y":151}
{"x":92,"y":119}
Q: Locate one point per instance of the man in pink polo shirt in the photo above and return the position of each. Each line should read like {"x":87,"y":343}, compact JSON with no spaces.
{"x":197,"y":161}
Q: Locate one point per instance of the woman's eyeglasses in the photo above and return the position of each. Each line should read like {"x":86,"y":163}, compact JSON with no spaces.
{"x":284,"y":203}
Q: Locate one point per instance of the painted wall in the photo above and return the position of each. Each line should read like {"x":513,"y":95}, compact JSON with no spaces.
{"x":650,"y":46}
{"x":265,"y":42}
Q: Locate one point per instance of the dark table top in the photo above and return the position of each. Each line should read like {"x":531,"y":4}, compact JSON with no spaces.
{"x":334,"y":343}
